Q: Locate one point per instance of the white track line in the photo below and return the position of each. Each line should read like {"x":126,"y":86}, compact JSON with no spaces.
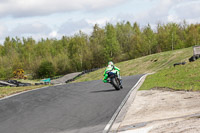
{"x":110,"y":123}
{"x":26,"y":92}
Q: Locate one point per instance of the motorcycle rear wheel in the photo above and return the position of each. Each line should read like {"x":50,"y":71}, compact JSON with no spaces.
{"x":115,"y":83}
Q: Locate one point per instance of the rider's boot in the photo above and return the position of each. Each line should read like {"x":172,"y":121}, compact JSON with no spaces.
{"x":120,"y":82}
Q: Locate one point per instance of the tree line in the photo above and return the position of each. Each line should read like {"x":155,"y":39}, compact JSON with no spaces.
{"x":81,"y":51}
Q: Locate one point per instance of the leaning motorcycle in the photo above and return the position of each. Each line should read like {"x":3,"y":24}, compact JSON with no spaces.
{"x":114,"y":80}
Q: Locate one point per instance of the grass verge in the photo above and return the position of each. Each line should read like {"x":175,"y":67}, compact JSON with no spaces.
{"x":183,"y":77}
{"x":7,"y":91}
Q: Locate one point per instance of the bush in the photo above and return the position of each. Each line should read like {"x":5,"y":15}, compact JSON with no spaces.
{"x":45,"y":70}
{"x":19,"y":73}
{"x":5,"y":73}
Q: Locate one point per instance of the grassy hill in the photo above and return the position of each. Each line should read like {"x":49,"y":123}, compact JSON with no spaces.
{"x":182,"y":77}
{"x":146,"y":64}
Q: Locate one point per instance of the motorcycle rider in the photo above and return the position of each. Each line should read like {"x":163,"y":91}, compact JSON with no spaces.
{"x":111,"y":68}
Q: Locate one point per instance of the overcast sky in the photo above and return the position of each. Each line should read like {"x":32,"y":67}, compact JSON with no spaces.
{"x":55,"y":18}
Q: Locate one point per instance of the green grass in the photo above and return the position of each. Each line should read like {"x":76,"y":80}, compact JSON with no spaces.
{"x":146,"y":64}
{"x":6,"y":91}
{"x":183,"y":77}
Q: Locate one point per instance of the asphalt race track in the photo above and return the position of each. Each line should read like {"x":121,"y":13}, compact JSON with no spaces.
{"x":84,"y":107}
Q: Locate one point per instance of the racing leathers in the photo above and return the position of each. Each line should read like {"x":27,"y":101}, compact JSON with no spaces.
{"x":111,"y":68}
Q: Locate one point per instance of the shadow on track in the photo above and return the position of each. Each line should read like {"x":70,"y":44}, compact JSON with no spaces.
{"x":103,"y":91}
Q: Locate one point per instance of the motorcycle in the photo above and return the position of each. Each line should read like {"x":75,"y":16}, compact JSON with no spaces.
{"x":114,"y":80}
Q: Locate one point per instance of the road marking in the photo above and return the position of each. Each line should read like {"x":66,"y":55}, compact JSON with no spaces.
{"x":110,"y":123}
{"x":20,"y":93}
{"x":27,"y":92}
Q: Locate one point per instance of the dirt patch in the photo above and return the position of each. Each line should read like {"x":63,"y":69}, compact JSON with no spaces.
{"x":163,"y":111}
{"x":183,"y":126}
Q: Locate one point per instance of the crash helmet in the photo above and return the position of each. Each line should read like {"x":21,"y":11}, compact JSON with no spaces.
{"x":110,"y":63}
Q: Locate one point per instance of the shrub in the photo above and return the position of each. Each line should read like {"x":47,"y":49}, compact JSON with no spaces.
{"x":19,"y":73}
{"x":45,"y":70}
{"x":5,"y":73}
